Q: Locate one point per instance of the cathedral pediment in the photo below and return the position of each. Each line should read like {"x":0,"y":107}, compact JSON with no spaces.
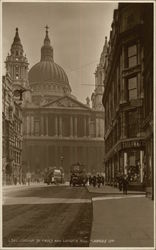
{"x":66,"y":102}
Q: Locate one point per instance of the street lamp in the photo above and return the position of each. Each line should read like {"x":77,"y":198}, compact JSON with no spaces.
{"x":62,"y":158}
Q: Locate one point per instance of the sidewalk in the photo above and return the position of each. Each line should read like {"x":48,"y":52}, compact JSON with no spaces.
{"x":26,"y":186}
{"x":109,"y":190}
{"x":22,"y":186}
{"x":122,"y":221}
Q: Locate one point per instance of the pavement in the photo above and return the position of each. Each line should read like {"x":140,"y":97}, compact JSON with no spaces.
{"x":109,"y":190}
{"x":53,"y":216}
{"x":121,"y":220}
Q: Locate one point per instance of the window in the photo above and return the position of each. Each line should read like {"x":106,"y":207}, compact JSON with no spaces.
{"x":130,"y":19}
{"x":132,"y":124}
{"x":17,"y":76}
{"x":132,"y":88}
{"x":132,"y":56}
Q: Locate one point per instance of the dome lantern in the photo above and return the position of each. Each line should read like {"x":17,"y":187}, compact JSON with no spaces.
{"x":46,"y":50}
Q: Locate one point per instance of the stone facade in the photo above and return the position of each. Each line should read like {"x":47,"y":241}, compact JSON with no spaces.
{"x":58,"y":129}
{"x":123,"y":97}
{"x":15,"y":84}
{"x":12,"y":135}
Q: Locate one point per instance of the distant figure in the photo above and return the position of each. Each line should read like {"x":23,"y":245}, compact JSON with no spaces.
{"x":125,"y":184}
{"x":98,"y":180}
{"x":120,"y":182}
{"x":90,"y":180}
{"x":28,"y":176}
{"x":102,"y":180}
{"x":94,"y":181}
{"x":15,"y":180}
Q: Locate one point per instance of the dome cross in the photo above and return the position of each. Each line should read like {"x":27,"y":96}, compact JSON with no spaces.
{"x":47,"y":27}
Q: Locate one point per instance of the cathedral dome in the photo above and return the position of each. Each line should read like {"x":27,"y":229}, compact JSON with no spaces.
{"x":47,"y":71}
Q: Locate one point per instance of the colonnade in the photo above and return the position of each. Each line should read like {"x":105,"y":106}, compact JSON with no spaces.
{"x":41,"y":125}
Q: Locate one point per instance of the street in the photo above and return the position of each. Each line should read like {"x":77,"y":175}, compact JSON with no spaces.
{"x":51,"y":216}
{"x":62,"y":216}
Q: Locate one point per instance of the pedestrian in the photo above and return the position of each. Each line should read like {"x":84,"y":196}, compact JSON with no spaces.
{"x":120,"y":182}
{"x":98,"y":181}
{"x":94,"y":181}
{"x":90,"y":180}
{"x":125,"y":184}
{"x":102,"y":180}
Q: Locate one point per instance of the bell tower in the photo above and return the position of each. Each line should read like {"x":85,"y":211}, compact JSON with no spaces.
{"x":17,"y":65}
{"x":99,"y":77}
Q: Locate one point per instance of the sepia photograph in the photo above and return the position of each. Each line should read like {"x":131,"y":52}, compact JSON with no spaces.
{"x":77,"y":124}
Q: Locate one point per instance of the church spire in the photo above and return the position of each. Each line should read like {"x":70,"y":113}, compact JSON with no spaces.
{"x":16,"y":47}
{"x":16,"y":62}
{"x":46,"y":50}
{"x":17,"y":38}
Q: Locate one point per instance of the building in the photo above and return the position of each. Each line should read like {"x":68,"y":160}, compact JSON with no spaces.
{"x":12,"y":135}
{"x":58,"y":129}
{"x":99,"y":78}
{"x":148,"y":98}
{"x":14,"y":84}
{"x":124,"y":94}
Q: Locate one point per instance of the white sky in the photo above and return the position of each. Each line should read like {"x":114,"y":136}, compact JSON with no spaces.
{"x":77,"y":33}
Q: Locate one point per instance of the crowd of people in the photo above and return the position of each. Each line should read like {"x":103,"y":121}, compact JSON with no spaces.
{"x":96,"y":180}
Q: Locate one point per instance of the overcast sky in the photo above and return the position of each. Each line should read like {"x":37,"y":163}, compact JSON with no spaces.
{"x":77,"y":33}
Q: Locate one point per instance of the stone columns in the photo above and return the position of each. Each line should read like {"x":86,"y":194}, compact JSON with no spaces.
{"x":46,"y":120}
{"x":71,"y":126}
{"x":75,"y":127}
{"x":42,"y":126}
{"x":141,"y":165}
{"x":85,"y":126}
{"x":125,"y":163}
{"x":28,"y":125}
{"x":97,"y":127}
{"x":89,"y":126}
{"x":60,"y":126}
{"x":32,"y":125}
{"x":56,"y":125}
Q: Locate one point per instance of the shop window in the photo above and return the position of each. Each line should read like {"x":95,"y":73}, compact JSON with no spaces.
{"x":132,"y":88}
{"x":133,"y":169}
{"x":132,"y":56}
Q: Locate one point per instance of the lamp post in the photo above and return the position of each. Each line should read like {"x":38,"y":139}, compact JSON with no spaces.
{"x":61,"y":158}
